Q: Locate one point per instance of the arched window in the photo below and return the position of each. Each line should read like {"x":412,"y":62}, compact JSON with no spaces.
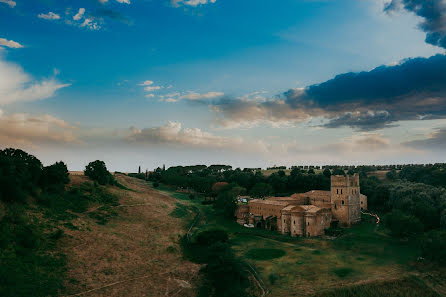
{"x":308,"y":223}
{"x":342,"y":202}
{"x":294,"y":222}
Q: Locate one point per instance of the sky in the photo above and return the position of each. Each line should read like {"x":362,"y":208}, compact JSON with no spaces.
{"x":239,"y":82}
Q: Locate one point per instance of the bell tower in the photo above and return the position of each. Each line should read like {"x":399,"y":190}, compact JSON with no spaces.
{"x":345,"y":199}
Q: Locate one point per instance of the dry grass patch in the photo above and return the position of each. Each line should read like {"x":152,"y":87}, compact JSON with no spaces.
{"x":136,"y":253}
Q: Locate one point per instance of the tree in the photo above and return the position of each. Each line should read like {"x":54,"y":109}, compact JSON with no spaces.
{"x":402,"y":225}
{"x":338,"y":171}
{"x":391,"y":175}
{"x":327,"y":173}
{"x":97,"y":171}
{"x":54,"y":177}
{"x":261,"y":190}
{"x":19,"y":174}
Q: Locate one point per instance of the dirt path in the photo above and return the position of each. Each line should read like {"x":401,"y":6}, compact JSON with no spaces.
{"x":134,"y":254}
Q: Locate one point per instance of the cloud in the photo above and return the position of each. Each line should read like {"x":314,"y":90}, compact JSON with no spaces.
{"x":174,"y":134}
{"x":191,"y":2}
{"x":17,"y":86}
{"x":204,"y":96}
{"x":414,"y":89}
{"x":151,"y":89}
{"x":435,"y":141}
{"x":146,"y":83}
{"x":21,"y":129}
{"x":91,"y":24}
{"x":433,"y":13}
{"x":119,"y":1}
{"x":49,"y":16}
{"x":11,"y":3}
{"x":79,"y":15}
{"x":10,"y":43}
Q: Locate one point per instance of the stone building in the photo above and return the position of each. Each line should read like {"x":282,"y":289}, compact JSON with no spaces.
{"x":308,"y":214}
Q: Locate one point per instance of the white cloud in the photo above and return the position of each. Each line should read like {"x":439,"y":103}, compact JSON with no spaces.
{"x":11,"y":3}
{"x":21,"y":129}
{"x":174,"y":134}
{"x":198,"y":96}
{"x":18,"y":86}
{"x":10,"y":43}
{"x":90,"y":24}
{"x":191,"y":2}
{"x":49,"y":16}
{"x":150,"y":96}
{"x":146,"y":83}
{"x":119,"y":1}
{"x":79,"y":15}
{"x":151,"y":89}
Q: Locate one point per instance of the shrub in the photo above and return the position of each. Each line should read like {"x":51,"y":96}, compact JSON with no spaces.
{"x":156,"y":184}
{"x":434,"y":246}
{"x":209,"y":237}
{"x":265,"y":254}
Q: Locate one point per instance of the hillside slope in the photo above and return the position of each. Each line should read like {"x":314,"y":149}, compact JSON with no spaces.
{"x":136,"y":253}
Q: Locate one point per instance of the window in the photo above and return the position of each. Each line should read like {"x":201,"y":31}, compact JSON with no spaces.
{"x":362,"y":202}
{"x":294,"y":222}
{"x":337,"y":191}
{"x":342,"y":202}
{"x":308,"y":223}
{"x":336,"y":207}
{"x":341,"y":191}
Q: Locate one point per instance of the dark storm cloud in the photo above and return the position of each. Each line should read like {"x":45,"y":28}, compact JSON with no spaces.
{"x":412,"y":90}
{"x":433,"y":13}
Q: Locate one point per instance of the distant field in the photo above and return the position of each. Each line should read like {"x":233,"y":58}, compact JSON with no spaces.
{"x":326,"y":267}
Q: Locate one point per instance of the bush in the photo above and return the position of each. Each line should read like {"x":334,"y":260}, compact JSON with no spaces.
{"x":97,"y":171}
{"x":156,"y":184}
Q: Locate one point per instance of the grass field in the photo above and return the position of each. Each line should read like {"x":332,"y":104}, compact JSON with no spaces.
{"x":363,"y":260}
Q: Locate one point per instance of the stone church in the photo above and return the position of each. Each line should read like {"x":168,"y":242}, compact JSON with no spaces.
{"x":308,"y":214}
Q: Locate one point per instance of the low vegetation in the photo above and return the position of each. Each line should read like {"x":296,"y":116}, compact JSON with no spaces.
{"x":35,"y":203}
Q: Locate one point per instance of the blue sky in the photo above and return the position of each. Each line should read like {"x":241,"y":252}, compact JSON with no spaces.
{"x":140,"y":82}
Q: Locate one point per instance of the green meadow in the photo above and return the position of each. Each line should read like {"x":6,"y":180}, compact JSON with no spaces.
{"x":364,"y":260}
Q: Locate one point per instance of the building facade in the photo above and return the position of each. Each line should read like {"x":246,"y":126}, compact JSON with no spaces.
{"x":308,"y":214}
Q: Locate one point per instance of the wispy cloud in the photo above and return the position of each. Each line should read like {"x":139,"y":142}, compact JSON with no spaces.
{"x":18,"y":86}
{"x":10,"y":43}
{"x":21,"y":129}
{"x":51,"y":16}
{"x":11,"y":3}
{"x":191,"y":2}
